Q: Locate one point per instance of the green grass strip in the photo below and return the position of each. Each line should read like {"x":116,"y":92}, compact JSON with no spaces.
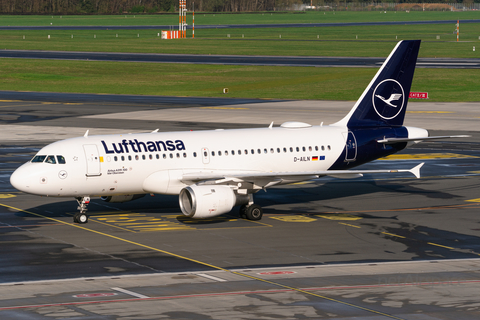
{"x":439,"y":40}
{"x":209,"y":80}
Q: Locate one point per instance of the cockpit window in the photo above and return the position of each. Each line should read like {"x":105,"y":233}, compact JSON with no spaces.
{"x":61,"y":159}
{"x":50,"y":159}
{"x":38,"y":158}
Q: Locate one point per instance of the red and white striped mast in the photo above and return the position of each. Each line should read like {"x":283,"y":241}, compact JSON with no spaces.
{"x":184,"y":18}
{"x":180,"y":17}
{"x":458,"y":28}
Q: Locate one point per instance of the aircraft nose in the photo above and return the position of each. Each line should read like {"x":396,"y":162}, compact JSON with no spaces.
{"x":20,"y":180}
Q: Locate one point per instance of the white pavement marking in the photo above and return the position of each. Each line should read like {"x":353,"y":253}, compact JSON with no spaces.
{"x":211,"y":277}
{"x":138,"y":295}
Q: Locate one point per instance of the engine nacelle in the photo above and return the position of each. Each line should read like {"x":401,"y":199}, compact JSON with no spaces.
{"x":207,"y":201}
{"x":122,"y":198}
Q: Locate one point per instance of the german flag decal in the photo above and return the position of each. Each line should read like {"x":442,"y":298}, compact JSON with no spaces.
{"x":315,"y":158}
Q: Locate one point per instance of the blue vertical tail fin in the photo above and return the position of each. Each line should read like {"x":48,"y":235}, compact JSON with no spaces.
{"x":384,"y":101}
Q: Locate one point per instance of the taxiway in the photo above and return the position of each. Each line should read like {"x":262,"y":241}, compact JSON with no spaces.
{"x":383,"y":247}
{"x":299,"y":61}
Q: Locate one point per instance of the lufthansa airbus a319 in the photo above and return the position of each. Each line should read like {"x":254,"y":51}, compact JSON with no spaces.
{"x":213,"y":171}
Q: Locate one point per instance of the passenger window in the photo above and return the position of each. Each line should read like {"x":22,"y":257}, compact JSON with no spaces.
{"x":123,"y":158}
{"x":259,"y":151}
{"x":130,"y":158}
{"x":219,"y":153}
{"x":278,"y":150}
{"x":39,"y":158}
{"x":184,"y":155}
{"x":194,"y":154}
{"x":271,"y":150}
{"x":115,"y":158}
{"x":309,"y":148}
{"x":150,"y":156}
{"x":233,"y":152}
{"x":329,"y":148}
{"x":284,"y":149}
{"x":164,"y":156}
{"x":303,"y":149}
{"x":252,"y":151}
{"x":171,"y":155}
{"x":213,"y":153}
{"x":51,"y":160}
{"x":323,"y":148}
{"x":298,"y":149}
{"x":136,"y":157}
{"x":316,"y":148}
{"x":61,"y":160}
{"x":226,"y":152}
{"x":239,"y":152}
{"x":246,"y":151}
{"x":291,"y":149}
{"x":157,"y":156}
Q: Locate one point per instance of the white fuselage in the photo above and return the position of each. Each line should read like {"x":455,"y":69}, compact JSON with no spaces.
{"x":110,"y":165}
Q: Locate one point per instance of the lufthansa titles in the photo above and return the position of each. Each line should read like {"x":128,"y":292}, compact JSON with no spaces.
{"x":127,"y":146}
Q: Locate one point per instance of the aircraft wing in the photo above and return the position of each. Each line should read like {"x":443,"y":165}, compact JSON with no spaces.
{"x":268,"y":179}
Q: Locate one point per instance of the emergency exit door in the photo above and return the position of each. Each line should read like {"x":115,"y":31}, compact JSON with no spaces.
{"x":350,"y":147}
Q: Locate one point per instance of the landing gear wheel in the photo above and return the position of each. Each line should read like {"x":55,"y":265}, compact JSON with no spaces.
{"x":243,"y":210}
{"x":80,"y":218}
{"x":254,"y":212}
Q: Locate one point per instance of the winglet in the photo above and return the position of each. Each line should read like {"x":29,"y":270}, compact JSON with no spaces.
{"x":270,"y":126}
{"x":86,"y":134}
{"x":416,"y":170}
{"x":155,"y":131}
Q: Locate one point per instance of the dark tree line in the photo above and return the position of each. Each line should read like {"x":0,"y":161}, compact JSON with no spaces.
{"x":134,"y":6}
{"x":157,"y":6}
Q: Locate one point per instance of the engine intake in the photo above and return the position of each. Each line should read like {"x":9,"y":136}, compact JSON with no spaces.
{"x":207,"y":201}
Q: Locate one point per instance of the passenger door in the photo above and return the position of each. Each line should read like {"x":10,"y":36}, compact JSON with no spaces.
{"x":93,"y":160}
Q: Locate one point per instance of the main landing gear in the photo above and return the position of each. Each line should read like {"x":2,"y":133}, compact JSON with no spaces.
{"x":251,"y":211}
{"x":81,"y":217}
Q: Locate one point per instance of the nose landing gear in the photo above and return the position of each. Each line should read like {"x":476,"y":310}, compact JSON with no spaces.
{"x":81,"y":217}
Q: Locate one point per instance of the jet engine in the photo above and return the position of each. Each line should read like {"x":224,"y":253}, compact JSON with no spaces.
{"x":122,"y":198}
{"x":206,"y":201}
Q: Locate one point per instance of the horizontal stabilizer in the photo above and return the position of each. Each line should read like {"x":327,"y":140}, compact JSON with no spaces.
{"x":399,"y":140}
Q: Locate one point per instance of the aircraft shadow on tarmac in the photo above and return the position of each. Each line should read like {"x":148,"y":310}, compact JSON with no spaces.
{"x":315,"y":197}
